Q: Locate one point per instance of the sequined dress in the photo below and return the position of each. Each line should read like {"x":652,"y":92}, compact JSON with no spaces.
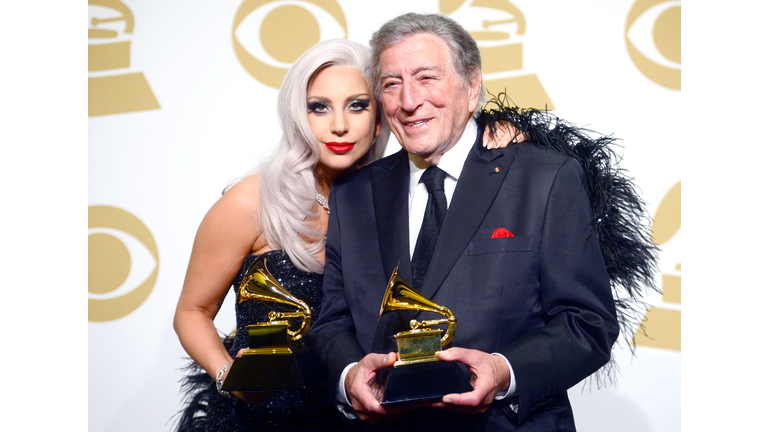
{"x":308,"y":409}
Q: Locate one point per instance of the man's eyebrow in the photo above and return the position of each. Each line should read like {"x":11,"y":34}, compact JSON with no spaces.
{"x":413,"y":72}
{"x":389,"y":75}
{"x":427,"y":68}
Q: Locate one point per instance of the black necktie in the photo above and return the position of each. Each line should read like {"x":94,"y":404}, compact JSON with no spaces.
{"x":437,"y":205}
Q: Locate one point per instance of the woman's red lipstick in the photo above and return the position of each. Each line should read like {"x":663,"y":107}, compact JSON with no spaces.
{"x":339,"y":147}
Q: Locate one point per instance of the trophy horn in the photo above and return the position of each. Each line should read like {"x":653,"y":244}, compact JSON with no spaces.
{"x":259,"y":284}
{"x":400,"y":296}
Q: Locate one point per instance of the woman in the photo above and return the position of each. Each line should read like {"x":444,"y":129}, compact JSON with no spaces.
{"x":331,"y":125}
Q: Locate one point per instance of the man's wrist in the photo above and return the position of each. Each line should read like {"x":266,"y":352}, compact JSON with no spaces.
{"x":341,"y":388}
{"x":510,"y":388}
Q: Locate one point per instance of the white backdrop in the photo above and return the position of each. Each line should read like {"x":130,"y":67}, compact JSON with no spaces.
{"x":165,"y":163}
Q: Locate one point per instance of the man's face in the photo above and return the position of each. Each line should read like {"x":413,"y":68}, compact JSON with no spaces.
{"x":426,"y":105}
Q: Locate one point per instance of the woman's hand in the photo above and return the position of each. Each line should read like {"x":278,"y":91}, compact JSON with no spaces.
{"x":251,"y":398}
{"x":504,"y":135}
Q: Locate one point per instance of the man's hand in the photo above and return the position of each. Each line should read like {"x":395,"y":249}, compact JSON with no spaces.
{"x":490,"y":375}
{"x":364,"y":393}
{"x":362,"y":389}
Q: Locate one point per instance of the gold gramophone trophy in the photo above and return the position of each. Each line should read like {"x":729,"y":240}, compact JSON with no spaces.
{"x":268,"y":363}
{"x":418,"y":374}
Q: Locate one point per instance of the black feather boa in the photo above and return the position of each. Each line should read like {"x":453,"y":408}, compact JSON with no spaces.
{"x":619,"y":216}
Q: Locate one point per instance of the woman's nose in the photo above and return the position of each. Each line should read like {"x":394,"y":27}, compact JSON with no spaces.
{"x":340,"y":126}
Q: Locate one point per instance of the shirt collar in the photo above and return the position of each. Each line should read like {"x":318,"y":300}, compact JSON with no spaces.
{"x":452,"y":162}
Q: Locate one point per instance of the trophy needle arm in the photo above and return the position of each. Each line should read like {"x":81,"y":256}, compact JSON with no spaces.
{"x":306,"y":319}
{"x":451,"y":321}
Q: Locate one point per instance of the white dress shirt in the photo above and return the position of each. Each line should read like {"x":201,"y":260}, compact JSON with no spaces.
{"x":452,"y":163}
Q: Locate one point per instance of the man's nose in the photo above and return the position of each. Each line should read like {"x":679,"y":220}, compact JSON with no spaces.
{"x":411,"y":97}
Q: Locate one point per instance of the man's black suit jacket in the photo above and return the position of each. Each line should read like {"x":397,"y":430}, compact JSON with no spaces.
{"x":541,"y":298}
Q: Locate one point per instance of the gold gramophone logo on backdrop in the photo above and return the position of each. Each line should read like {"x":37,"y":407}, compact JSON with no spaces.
{"x":112,"y":87}
{"x":122,"y":263}
{"x":652,"y":35}
{"x":499,"y":36}
{"x":269,"y":35}
{"x":662,"y":325}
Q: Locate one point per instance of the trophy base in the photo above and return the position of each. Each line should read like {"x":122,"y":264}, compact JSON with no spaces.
{"x":256,"y":373}
{"x":425,"y":381}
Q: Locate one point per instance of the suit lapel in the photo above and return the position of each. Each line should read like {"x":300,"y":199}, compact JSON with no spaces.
{"x":390,"y":181}
{"x":390,"y":185}
{"x":479,"y":182}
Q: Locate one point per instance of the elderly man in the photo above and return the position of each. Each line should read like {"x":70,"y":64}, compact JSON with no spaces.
{"x":516,"y":258}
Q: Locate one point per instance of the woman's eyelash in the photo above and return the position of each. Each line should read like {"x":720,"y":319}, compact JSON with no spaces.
{"x":316,"y":106}
{"x":360,"y":104}
{"x":356,"y":105}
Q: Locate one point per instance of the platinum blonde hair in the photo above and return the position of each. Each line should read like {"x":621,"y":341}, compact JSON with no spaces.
{"x":463,"y":48}
{"x":288,"y":181}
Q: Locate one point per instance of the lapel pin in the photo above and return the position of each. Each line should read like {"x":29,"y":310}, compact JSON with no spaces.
{"x":497,"y":169}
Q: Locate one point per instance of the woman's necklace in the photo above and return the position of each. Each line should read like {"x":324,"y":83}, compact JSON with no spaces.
{"x":322,"y":201}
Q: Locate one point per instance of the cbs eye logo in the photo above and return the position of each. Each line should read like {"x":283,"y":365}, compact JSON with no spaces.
{"x":122,"y":263}
{"x":652,"y":35}
{"x":269,"y":35}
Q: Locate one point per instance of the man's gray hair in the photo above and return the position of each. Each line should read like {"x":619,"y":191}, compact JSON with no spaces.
{"x":463,"y":48}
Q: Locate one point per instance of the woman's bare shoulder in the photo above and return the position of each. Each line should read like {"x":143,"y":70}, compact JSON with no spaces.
{"x":243,"y":197}
{"x":235,"y":213}
{"x":243,"y":201}
{"x":247,"y":188}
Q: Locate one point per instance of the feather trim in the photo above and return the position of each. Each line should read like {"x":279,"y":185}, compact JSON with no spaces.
{"x":196,"y":386}
{"x":619,"y":216}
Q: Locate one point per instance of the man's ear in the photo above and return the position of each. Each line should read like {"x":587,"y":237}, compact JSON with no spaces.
{"x":377,"y":129}
{"x":474,"y":88}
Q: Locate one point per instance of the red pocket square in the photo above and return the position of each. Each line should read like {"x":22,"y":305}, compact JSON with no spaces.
{"x":501,"y":232}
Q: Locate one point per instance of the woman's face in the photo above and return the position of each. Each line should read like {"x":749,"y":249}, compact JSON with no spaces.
{"x":342,"y":115}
